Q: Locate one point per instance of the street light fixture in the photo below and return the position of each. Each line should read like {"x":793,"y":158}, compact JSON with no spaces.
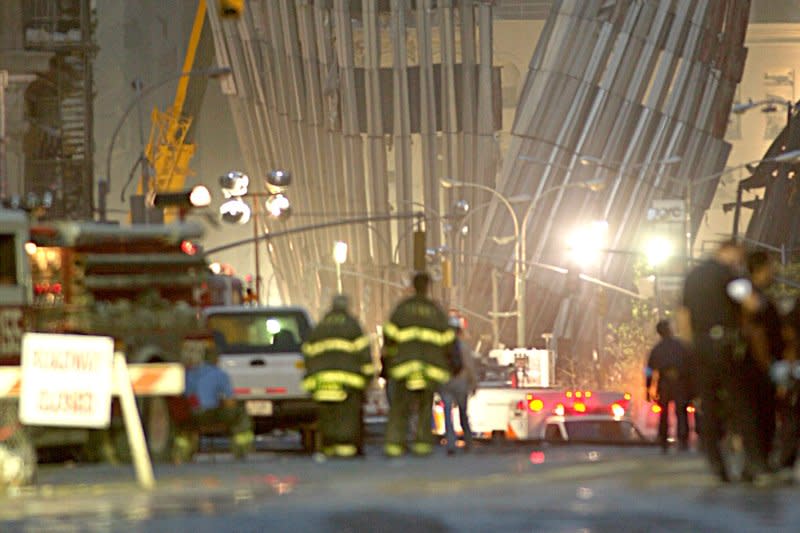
{"x":339,"y":257}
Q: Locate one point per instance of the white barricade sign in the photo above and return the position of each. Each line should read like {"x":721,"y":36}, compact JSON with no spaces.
{"x":66,"y":380}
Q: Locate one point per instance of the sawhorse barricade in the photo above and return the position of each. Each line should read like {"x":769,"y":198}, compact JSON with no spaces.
{"x":152,"y":379}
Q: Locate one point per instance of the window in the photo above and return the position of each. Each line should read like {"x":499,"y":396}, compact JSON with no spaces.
{"x":273,"y":332}
{"x":8,"y":260}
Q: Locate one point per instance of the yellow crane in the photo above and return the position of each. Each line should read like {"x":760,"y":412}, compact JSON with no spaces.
{"x":168,"y":151}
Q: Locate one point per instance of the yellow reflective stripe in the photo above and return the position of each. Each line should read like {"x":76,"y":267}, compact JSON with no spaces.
{"x":437,"y":374}
{"x":329,"y":395}
{"x":245,"y":438}
{"x":421,"y":448}
{"x":404,"y":370}
{"x":393,"y":450}
{"x":342,"y":377}
{"x":310,"y":383}
{"x":345,"y":450}
{"x":311,"y":349}
{"x":419,"y":333}
{"x":368,"y":369}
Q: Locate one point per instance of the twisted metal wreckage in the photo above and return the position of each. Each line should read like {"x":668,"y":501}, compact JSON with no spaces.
{"x":371,"y":103}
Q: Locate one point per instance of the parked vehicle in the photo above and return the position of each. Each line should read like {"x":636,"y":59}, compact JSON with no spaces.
{"x":259,"y":347}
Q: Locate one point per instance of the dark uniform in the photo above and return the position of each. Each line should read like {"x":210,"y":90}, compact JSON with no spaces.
{"x":670,"y":359}
{"x":788,"y":405}
{"x":714,"y":323}
{"x":755,"y":394}
{"x":417,"y":341}
{"x":338,"y":368}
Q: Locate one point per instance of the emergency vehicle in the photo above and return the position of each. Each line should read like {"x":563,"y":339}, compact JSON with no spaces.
{"x":518,"y":407}
{"x":140,"y":284}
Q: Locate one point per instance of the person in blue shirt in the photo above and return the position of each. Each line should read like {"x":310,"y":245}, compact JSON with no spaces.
{"x":210,"y":397}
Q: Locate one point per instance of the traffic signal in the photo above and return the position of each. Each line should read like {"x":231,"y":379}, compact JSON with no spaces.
{"x":447,"y":273}
{"x":231,"y":8}
{"x":420,"y":264}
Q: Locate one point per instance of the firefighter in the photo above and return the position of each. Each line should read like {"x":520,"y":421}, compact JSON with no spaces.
{"x":338,"y":368}
{"x":418,"y":344}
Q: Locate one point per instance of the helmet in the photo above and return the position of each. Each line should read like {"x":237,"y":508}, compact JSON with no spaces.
{"x":454,"y":322}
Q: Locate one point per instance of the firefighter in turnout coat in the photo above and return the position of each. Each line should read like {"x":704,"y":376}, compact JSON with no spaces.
{"x":338,"y":368}
{"x":417,"y":344}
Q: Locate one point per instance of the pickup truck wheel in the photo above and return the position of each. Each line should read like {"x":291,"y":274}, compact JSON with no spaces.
{"x":158,"y":428}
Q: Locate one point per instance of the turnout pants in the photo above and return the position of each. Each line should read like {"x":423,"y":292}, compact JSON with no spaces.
{"x":340,"y":425}
{"x":402,"y":403}
{"x":754,"y":415}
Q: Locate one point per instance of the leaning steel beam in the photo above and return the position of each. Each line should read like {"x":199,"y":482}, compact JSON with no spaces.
{"x":629,"y":83}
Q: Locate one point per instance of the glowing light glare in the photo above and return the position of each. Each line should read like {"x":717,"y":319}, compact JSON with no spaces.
{"x":627,"y":395}
{"x":200,"y":196}
{"x":234,"y":184}
{"x":690,"y":409}
{"x":537,"y":457}
{"x":236,"y":211}
{"x":585,"y":243}
{"x":277,"y":205}
{"x":536,"y":405}
{"x":617,"y":410}
{"x":216,"y":268}
{"x":579,"y":407}
{"x":657,"y":250}
{"x":340,"y":252}
{"x":559,"y":410}
{"x":656,"y":409}
{"x":30,"y":248}
{"x":273,"y":326}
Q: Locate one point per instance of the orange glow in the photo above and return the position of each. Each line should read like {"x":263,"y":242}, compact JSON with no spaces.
{"x":588,"y":394}
{"x":656,"y":408}
{"x":690,"y":409}
{"x":536,"y":405}
{"x":579,"y":407}
{"x":559,"y":410}
{"x":617,"y":410}
{"x":578,"y":394}
{"x":627,"y":395}
{"x":569,"y":394}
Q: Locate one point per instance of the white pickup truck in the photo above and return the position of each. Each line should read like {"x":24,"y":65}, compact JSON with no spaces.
{"x":259,"y":348}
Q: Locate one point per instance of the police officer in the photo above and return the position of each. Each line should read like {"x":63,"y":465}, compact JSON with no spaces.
{"x":709,"y":318}
{"x":417,"y":344}
{"x":210,"y":397}
{"x":668,"y":367}
{"x":755,"y":397}
{"x":338,"y":368}
{"x":788,"y":386}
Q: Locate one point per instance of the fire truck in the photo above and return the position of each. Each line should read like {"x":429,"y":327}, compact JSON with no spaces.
{"x":139,"y":284}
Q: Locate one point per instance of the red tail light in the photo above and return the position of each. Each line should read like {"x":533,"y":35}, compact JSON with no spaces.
{"x":656,"y":408}
{"x":188,"y":247}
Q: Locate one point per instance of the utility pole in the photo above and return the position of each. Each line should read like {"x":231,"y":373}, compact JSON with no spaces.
{"x":3,"y":138}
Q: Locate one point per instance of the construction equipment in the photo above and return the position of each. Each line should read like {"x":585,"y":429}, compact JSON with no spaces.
{"x":169,"y":148}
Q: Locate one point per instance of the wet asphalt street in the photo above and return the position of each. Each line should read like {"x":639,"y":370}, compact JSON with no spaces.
{"x":493,"y":488}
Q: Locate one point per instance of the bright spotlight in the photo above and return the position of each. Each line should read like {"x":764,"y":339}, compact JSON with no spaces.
{"x":235,"y":211}
{"x":586,"y":243}
{"x":658,"y":250}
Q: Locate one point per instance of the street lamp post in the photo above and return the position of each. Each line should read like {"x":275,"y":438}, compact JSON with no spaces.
{"x":339,"y":257}
{"x":141,"y":92}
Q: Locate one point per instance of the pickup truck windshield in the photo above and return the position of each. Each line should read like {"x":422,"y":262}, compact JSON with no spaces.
{"x":269,"y":332}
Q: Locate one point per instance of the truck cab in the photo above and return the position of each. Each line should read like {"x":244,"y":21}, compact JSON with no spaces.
{"x":259,"y":348}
